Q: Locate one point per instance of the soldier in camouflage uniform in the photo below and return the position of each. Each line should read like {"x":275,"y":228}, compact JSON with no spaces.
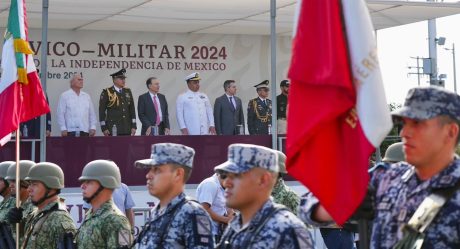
{"x":430,"y":133}
{"x":105,"y":226}
{"x":177,"y":222}
{"x":251,"y":172}
{"x":19,"y":215}
{"x":260,"y":111}
{"x":281,"y":193}
{"x":8,"y":202}
{"x":116,"y":107}
{"x":50,"y":223}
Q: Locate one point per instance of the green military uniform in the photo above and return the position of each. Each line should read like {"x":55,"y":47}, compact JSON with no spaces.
{"x":106,"y":228}
{"x":27,"y":209}
{"x":281,"y":102}
{"x":259,"y":116}
{"x":282,"y":194}
{"x":45,"y":228}
{"x":5,"y":206}
{"x":117,"y":109}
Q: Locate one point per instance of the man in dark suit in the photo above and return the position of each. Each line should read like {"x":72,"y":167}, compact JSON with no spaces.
{"x":152,"y":109}
{"x":228,"y":111}
{"x":260,"y":111}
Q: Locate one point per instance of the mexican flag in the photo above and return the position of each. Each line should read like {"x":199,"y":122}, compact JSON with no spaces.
{"x":21,"y":94}
{"x":338,"y":113}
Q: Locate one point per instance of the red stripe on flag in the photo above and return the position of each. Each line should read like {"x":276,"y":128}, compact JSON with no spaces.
{"x":9,"y":108}
{"x":326,"y":148}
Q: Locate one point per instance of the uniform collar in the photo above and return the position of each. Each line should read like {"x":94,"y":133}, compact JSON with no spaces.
{"x":175,"y":201}
{"x":108,"y":205}
{"x":448,"y":177}
{"x":237,"y":225}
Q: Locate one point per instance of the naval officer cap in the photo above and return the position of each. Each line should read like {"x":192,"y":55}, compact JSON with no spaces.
{"x":429,"y":102}
{"x":243,"y":157}
{"x":284,"y":83}
{"x":165,"y":153}
{"x":193,"y":76}
{"x":263,"y":84}
{"x":119,"y":74}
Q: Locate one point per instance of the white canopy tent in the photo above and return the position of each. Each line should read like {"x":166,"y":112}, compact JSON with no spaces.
{"x":206,"y":16}
{"x":247,"y":17}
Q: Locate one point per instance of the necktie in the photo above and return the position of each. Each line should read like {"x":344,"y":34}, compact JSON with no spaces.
{"x":263,"y":101}
{"x":155,"y":103}
{"x":231,"y":102}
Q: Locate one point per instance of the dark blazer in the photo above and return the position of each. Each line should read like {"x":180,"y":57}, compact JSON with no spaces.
{"x":259,"y":116}
{"x":147,"y":114}
{"x":225,"y":117}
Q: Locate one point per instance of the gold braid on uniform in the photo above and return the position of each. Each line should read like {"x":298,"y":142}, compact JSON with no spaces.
{"x":263,"y":119}
{"x":113,"y":98}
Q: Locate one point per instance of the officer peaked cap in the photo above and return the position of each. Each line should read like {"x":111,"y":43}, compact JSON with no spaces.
{"x":263,"y":84}
{"x":119,"y":74}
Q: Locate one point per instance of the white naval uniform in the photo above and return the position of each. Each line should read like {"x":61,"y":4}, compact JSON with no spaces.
{"x":194,"y":112}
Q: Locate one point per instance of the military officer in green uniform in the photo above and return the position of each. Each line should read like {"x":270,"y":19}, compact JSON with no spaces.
{"x":8,"y":202}
{"x":50,"y":224}
{"x":105,"y":226}
{"x":116,"y":108}
{"x":260,"y":111}
{"x":281,"y":106}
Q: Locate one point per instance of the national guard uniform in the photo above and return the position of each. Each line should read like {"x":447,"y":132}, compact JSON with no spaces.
{"x":259,"y":113}
{"x":400,"y":192}
{"x":281,"y":193}
{"x":117,"y":108}
{"x":272,"y":226}
{"x":183,"y":223}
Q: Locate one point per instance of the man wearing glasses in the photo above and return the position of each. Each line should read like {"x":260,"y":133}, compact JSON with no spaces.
{"x":116,"y":108}
{"x":260,"y":111}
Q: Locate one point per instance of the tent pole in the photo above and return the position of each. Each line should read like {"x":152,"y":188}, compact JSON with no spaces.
{"x":274,"y":124}
{"x":43,"y":74}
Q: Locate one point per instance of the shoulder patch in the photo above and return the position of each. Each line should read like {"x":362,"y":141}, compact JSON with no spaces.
{"x":303,"y":237}
{"x":124,"y":237}
{"x":203,"y":225}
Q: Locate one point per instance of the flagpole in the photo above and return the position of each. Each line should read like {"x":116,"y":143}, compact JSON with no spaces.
{"x":43,"y":75}
{"x":17,"y":181}
{"x":273,"y":72}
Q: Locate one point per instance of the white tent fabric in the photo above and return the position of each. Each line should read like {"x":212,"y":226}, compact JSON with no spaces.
{"x":206,"y":16}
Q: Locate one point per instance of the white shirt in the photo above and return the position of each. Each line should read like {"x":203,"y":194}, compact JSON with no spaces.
{"x":76,"y":112}
{"x":159,"y":105}
{"x":210,"y":191}
{"x":194,"y":112}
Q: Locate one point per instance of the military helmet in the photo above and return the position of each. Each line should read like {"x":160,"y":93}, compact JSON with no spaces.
{"x":24,"y":168}
{"x":282,"y":162}
{"x":394,"y":153}
{"x":105,"y":172}
{"x":48,"y":173}
{"x":4,"y":168}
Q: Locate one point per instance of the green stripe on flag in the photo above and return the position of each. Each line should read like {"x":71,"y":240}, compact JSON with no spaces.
{"x":15,"y":29}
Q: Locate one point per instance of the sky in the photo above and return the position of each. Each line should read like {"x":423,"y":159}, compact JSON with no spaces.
{"x":397,"y":45}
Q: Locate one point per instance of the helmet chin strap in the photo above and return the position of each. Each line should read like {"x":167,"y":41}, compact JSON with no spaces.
{"x":89,"y":199}
{"x":45,"y":197}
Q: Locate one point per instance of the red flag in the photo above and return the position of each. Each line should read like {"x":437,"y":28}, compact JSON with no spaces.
{"x":21,"y":94}
{"x":327,"y":146}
